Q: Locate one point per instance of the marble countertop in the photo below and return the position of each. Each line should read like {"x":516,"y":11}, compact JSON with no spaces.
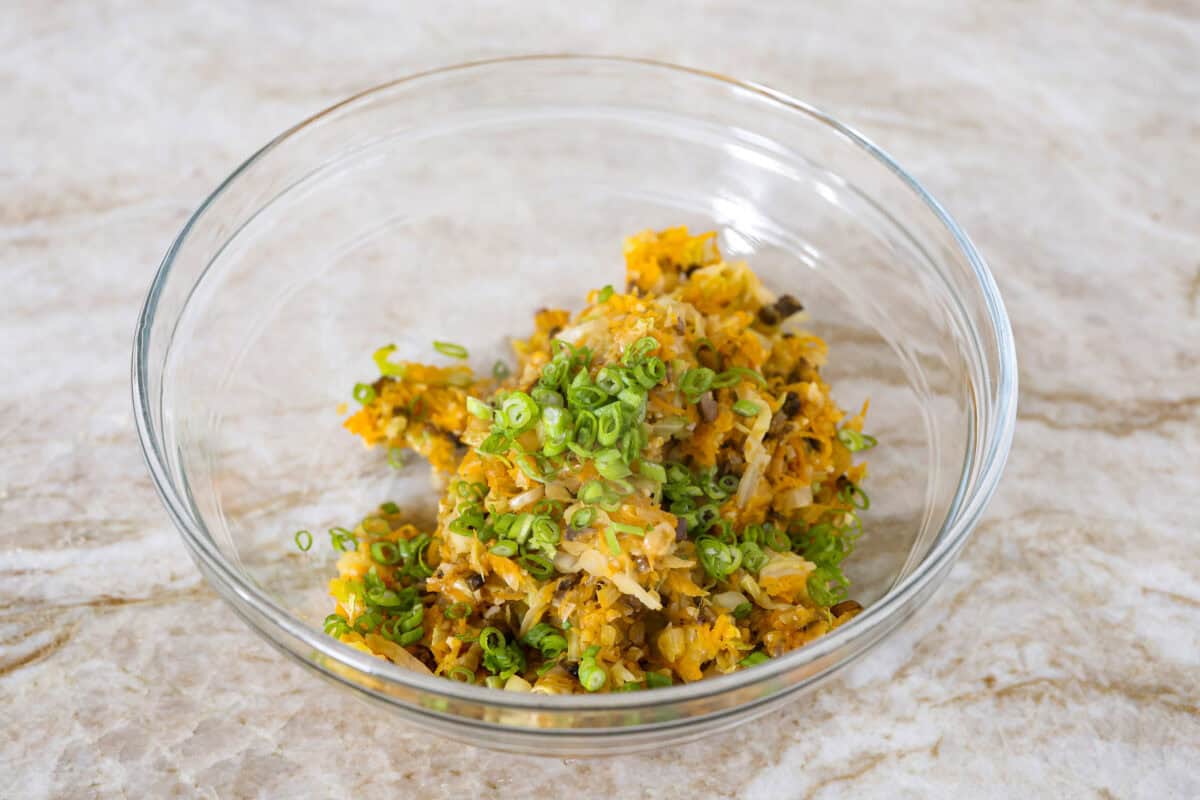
{"x":1062,"y":658}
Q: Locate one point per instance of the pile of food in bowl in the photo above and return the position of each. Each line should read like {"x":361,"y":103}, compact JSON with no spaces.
{"x":662,"y":490}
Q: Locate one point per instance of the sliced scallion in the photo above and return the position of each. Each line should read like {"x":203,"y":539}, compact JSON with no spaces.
{"x":364,"y":393}
{"x":746,"y":408}
{"x":450,"y":349}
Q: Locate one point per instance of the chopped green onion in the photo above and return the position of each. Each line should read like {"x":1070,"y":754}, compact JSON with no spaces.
{"x":304,"y":540}
{"x":713,"y":490}
{"x":387,"y":367}
{"x":608,"y":380}
{"x":411,"y":637}
{"x":544,"y":528}
{"x":822,"y":546}
{"x":479,"y":408}
{"x":336,"y":625}
{"x":338,"y":537}
{"x":386,"y":553}
{"x":610,"y":464}
{"x":729,"y":483}
{"x":544,"y":535}
{"x":460,"y":610}
{"x":724,"y":532}
{"x":376,"y":526}
{"x":718,"y":558}
{"x":639,"y":350}
{"x":850,"y":493}
{"x":389,"y":508}
{"x":553,"y":374}
{"x":706,"y":515}
{"x":582,"y":378}
{"x":591,"y":492}
{"x":634,"y":397}
{"x":592,"y":676}
{"x":706,"y":343}
{"x":735,"y":374}
{"x":586,"y":397}
{"x":450,"y":349}
{"x":368,"y":621}
{"x":556,"y":424}
{"x":610,"y":536}
{"x":742,"y":610}
{"x":526,"y":466}
{"x":753,"y":557}
{"x":460,"y":673}
{"x":650,"y":372}
{"x":538,"y":566}
{"x":617,"y":489}
{"x":819,"y":586}
{"x":496,"y":443}
{"x":396,"y":457}
{"x":855,"y":441}
{"x":372,"y":581}
{"x":775,"y":538}
{"x":853,"y":528}
{"x":746,"y":408}
{"x":499,"y":656}
{"x":757,"y":657}
{"x":546,"y":639}
{"x":500,"y":370}
{"x":696,"y":381}
{"x":595,"y":493}
{"x":491,"y":639}
{"x":364,"y":393}
{"x":473,"y":492}
{"x":583,"y":518}
{"x":585,"y":428}
{"x":610,"y":423}
{"x":553,"y":646}
{"x":504,"y":548}
{"x":632,"y":530}
{"x":388,"y":598}
{"x":518,"y":411}
{"x":546,"y":398}
{"x":469,"y":520}
{"x":655,"y":472}
{"x":548,"y":506}
{"x":582,"y":452}
{"x":657,"y":680}
{"x":521,"y":528}
{"x":605,"y":294}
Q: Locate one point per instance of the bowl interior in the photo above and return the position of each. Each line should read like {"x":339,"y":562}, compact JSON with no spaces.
{"x":453,"y":208}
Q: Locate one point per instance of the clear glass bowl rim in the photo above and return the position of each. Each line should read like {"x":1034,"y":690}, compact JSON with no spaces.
{"x":953,"y":535}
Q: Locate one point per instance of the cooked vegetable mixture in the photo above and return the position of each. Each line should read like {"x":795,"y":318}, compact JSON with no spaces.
{"x":662,"y":490}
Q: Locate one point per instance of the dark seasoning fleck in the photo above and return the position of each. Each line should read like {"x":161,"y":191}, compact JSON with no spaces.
{"x":780,"y":310}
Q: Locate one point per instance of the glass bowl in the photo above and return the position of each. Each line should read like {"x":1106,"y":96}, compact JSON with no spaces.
{"x":452,"y":205}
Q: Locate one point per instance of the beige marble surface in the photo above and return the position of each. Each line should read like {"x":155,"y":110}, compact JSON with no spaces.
{"x":1062,"y":659}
